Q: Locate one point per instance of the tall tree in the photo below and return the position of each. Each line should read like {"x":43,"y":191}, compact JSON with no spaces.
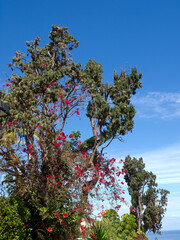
{"x":148,"y":201}
{"x":54,"y":171}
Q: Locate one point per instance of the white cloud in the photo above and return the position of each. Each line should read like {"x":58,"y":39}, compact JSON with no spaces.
{"x":164,"y":163}
{"x":157,"y":105}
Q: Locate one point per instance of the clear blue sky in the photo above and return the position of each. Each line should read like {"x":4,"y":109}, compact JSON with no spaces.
{"x":138,"y":33}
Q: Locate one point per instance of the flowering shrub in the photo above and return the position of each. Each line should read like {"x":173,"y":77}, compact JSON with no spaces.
{"x":56,"y":173}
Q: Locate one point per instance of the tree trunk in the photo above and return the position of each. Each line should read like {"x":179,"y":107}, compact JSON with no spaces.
{"x":139,"y":213}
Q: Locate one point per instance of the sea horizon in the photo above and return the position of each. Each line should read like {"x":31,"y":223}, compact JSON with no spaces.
{"x":165,"y":235}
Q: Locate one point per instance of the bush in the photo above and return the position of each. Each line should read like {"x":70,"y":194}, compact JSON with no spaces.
{"x":13,"y":217}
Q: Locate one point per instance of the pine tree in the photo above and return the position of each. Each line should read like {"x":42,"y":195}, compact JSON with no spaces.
{"x":147,"y":200}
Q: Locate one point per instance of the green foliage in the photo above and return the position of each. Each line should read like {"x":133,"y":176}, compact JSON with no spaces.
{"x":139,"y":232}
{"x":123,"y":228}
{"x":99,"y":232}
{"x":148,"y":201}
{"x":111,"y":215}
{"x":127,"y":227}
{"x":13,"y":219}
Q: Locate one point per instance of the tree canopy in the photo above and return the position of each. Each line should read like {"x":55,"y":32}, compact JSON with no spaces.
{"x":149,"y":202}
{"x":54,"y":172}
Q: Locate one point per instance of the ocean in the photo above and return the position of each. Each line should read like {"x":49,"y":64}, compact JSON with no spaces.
{"x":165,"y":235}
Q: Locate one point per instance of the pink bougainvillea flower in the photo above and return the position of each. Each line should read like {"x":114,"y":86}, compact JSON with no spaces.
{"x":77,"y":111}
{"x":122,"y":182}
{"x":80,"y":174}
{"x":68,"y":102}
{"x":71,"y":239}
{"x":75,"y":209}
{"x":44,"y":64}
{"x":117,"y":208}
{"x":50,"y":177}
{"x":65,"y":215}
{"x":50,"y":229}
{"x":52,"y":84}
{"x":38,"y":126}
{"x":78,"y":168}
{"x":9,"y":123}
{"x":101,"y":180}
{"x":58,"y":145}
{"x":70,"y":136}
{"x":101,"y":174}
{"x":67,"y":85}
{"x":112,"y":160}
{"x":14,"y":122}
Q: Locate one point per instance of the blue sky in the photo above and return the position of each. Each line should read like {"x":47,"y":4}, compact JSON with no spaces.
{"x":117,"y":34}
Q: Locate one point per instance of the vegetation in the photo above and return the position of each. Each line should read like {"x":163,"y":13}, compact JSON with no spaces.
{"x":52,"y":172}
{"x":123,"y":228}
{"x":149,"y":202}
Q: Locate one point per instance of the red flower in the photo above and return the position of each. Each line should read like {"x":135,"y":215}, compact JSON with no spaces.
{"x":52,"y":84}
{"x":112,"y":160}
{"x":77,"y":111}
{"x":50,"y":177}
{"x":65,"y":215}
{"x":38,"y":126}
{"x":50,"y":229}
{"x":78,"y":168}
{"x":9,"y":123}
{"x":43,"y":225}
{"x":132,"y":210}
{"x":68,"y":102}
{"x":58,"y":214}
{"x":58,"y":144}
{"x":70,"y":136}
{"x":44,"y":64}
{"x":58,"y":184}
{"x":15,"y":122}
